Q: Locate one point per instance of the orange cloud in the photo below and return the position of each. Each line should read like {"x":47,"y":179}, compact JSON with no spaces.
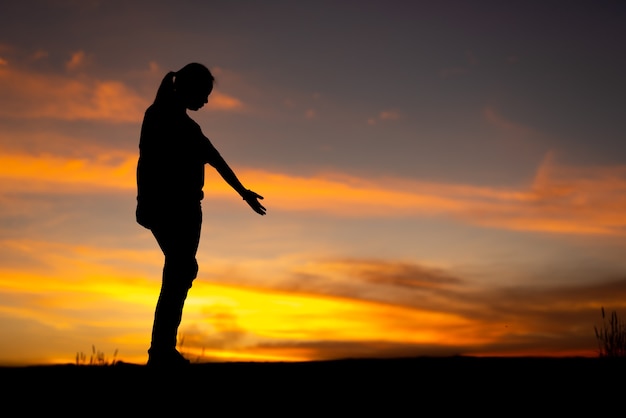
{"x":561,"y":199}
{"x":389,"y":115}
{"x":494,"y":118}
{"x":569,"y":200}
{"x":384,"y":115}
{"x":76,"y":61}
{"x":21,"y":172}
{"x":221,"y":101}
{"x":32,"y":95}
{"x":39,"y":55}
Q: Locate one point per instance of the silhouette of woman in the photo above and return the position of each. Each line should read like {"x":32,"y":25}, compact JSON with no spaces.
{"x":170,"y":177}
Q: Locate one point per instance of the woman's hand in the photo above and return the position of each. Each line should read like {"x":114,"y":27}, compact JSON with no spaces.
{"x":252,"y":199}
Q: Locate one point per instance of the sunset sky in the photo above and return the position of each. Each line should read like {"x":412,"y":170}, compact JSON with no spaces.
{"x":441,"y":177}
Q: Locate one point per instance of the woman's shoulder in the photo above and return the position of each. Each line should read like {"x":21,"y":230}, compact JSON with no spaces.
{"x":152,"y":113}
{"x":155,"y":109}
{"x":166,"y":119}
{"x":162,"y":116}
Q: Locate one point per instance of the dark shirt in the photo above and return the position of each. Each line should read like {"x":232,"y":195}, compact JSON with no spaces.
{"x":172,"y":154}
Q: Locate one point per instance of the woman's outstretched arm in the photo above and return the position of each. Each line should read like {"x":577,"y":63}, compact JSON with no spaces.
{"x":251,"y":198}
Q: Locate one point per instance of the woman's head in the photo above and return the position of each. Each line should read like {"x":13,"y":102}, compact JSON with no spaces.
{"x":189,"y":86}
{"x":193,"y":83}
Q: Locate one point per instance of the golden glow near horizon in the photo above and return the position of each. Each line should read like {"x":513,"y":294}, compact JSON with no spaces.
{"x":240,"y":322}
{"x":228,"y":321}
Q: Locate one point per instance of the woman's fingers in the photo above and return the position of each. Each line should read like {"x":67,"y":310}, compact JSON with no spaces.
{"x":252,"y":199}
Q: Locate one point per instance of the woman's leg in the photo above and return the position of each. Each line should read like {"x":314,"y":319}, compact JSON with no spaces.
{"x":178,"y":239}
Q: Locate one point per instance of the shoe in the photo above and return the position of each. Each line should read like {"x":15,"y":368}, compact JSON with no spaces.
{"x":169,"y":358}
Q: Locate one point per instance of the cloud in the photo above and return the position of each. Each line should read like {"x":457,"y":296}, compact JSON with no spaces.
{"x":51,"y":261}
{"x":558,"y":319}
{"x":400,"y":274}
{"x":389,"y":115}
{"x":340,"y":349}
{"x":347,"y":276}
{"x":221,"y":101}
{"x":264,"y":318}
{"x":363,"y":307}
{"x":28,"y":173}
{"x":385,"y":115}
{"x":516,"y":318}
{"x":217,"y":328}
{"x":496,"y":119}
{"x":560,"y":199}
{"x":570,"y":200}
{"x":392,"y":282}
{"x":76,"y":61}
{"x":29,"y":95}
{"x":34,"y":95}
{"x":517,"y":137}
{"x":39,"y":54}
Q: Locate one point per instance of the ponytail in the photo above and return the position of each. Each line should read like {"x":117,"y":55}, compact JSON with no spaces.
{"x":188,"y":78}
{"x":165,"y":93}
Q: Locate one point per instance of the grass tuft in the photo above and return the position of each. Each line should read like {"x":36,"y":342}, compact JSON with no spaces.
{"x":96,"y":358}
{"x":188,"y":355}
{"x":611,"y":336}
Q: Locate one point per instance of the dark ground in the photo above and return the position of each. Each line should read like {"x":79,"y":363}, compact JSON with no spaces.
{"x":390,"y":387}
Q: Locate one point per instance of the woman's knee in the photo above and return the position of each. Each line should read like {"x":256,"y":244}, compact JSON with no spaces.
{"x":181,"y":268}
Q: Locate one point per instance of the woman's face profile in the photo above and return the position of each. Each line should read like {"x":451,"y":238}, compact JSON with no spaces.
{"x":195,"y":95}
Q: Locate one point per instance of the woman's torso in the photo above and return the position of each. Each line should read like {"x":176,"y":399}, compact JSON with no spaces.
{"x":172,"y":154}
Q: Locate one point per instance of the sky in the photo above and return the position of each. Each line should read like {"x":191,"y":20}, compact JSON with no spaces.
{"x":440,"y":177}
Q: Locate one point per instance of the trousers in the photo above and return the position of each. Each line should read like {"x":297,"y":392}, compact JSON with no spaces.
{"x":178,"y":236}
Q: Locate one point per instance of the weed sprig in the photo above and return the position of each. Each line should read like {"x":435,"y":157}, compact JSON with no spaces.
{"x":97,"y":358}
{"x":611,"y":337}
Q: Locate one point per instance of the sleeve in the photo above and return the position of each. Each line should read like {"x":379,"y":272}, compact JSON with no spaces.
{"x":212,"y":155}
